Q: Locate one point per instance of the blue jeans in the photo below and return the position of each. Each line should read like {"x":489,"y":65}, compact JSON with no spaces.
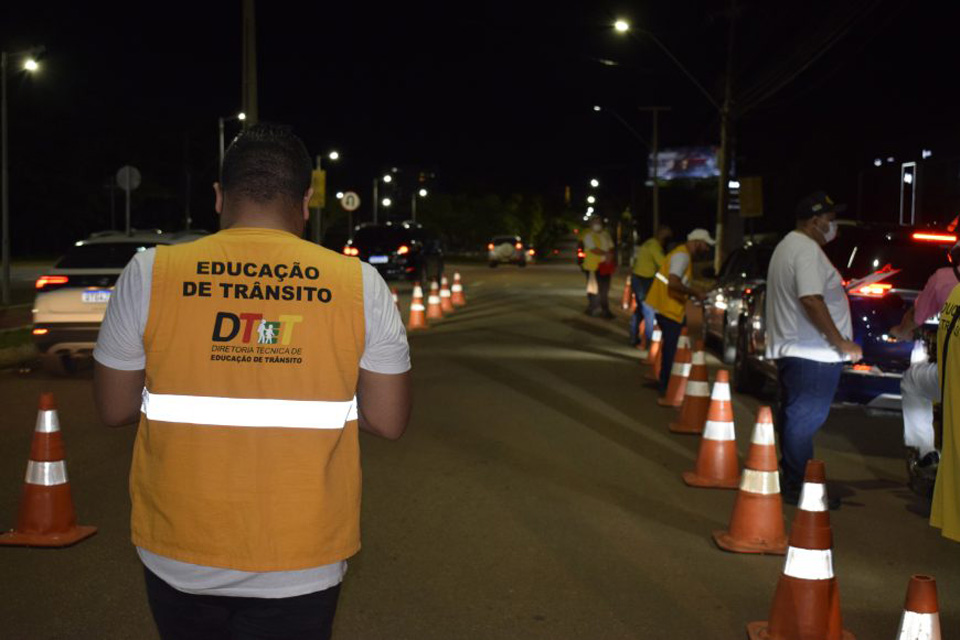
{"x":669,"y":336}
{"x":807,"y":388}
{"x":640,"y":288}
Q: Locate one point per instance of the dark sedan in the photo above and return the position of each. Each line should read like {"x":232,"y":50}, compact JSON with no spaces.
{"x":398,"y":250}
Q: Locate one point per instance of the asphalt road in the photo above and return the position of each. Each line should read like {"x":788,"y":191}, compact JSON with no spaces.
{"x":537,"y":494}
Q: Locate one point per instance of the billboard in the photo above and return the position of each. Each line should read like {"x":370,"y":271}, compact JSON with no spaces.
{"x":685,"y":163}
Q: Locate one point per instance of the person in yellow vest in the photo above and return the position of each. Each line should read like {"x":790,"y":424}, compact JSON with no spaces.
{"x":250,"y":359}
{"x":669,"y":293}
{"x":645,"y":266}
{"x":945,"y":510}
{"x":599,"y":265}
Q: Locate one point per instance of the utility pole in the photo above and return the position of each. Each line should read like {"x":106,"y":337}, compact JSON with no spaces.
{"x":655,"y":152}
{"x":249,"y":92}
{"x":375,"y":203}
{"x":724,"y":159}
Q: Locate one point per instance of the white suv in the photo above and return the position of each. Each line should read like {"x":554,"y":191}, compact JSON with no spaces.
{"x":72,"y":296}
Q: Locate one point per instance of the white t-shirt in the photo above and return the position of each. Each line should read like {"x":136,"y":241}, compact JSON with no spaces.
{"x":120,"y":346}
{"x":799,"y":268}
{"x":678,"y":266}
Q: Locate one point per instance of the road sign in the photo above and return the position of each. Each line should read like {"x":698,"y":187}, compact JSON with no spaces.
{"x":350,"y":201}
{"x":751,"y":197}
{"x":319,"y":183}
{"x":128,"y":178}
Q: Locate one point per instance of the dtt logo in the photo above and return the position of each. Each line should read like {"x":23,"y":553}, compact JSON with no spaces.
{"x":228,"y":325}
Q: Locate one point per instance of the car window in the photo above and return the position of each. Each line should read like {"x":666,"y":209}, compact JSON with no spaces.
{"x":736,"y":264}
{"x":103,"y":255}
{"x":916,"y":260}
{"x":380,"y":236}
{"x":505,"y":240}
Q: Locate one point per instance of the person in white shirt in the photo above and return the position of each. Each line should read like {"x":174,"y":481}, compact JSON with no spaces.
{"x":809,"y":334}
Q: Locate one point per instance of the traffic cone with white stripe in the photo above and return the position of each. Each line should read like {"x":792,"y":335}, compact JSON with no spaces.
{"x":46,"y":517}
{"x":717,"y":464}
{"x":679,"y":372}
{"x":456,"y":292}
{"x":434,"y":309}
{"x":417,"y":318}
{"x":696,"y":397}
{"x":446,"y":304}
{"x":806,"y":604}
{"x":921,"y":613}
{"x":654,"y":355}
{"x":756,"y":525}
{"x":627,"y":295}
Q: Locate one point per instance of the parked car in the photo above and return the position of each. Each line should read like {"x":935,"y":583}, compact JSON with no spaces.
{"x":508,"y":250}
{"x":72,"y":297}
{"x":744,"y":268}
{"x":398,"y":250}
{"x":875,"y":309}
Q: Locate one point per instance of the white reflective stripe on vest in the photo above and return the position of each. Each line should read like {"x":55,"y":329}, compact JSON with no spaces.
{"x":47,"y":422}
{"x":680,"y":369}
{"x":721,"y":391}
{"x":919,"y":626}
{"x":46,"y":474}
{"x":763,"y":434}
{"x":813,"y":497}
{"x":718,"y":431}
{"x":248,"y":412}
{"x":662,"y":278}
{"x":765,"y":483}
{"x":698,"y":389}
{"x":809,"y":564}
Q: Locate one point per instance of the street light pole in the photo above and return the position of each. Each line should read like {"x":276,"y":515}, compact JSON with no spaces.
{"x":376,"y":184}
{"x":655,"y":151}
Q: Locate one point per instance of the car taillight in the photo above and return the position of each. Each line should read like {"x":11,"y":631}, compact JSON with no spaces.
{"x":580,"y":253}
{"x":45,"y":281}
{"x":350,"y":251}
{"x":490,"y":247}
{"x":875,"y":290}
{"x":945,"y":238}
{"x":862,"y":367}
{"x":531,"y":252}
{"x":403,"y":250}
{"x":41,"y":332}
{"x":519,"y":246}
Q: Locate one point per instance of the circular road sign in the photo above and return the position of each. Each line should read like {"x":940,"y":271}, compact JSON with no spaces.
{"x":128,"y":178}
{"x":350,"y":201}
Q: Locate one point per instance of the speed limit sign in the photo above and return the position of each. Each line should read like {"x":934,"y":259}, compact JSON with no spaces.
{"x":350,"y":201}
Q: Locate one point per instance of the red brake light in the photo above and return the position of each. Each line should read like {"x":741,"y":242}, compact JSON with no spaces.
{"x":935,"y":237}
{"x":43,"y":281}
{"x":519,"y":246}
{"x":862,"y":367}
{"x":876,"y":290}
{"x":490,"y":247}
{"x":351,"y":251}
{"x":531,"y":252}
{"x":41,"y":332}
{"x":403,"y":250}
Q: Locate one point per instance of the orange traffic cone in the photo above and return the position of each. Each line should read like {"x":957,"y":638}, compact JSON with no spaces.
{"x":446,"y":304}
{"x":456,"y":293}
{"x":417,"y":318}
{"x":921,"y":613}
{"x":679,"y":372}
{"x":434,"y":308}
{"x":627,"y":295}
{"x":46,"y":517}
{"x":696,"y":398}
{"x":717,"y":464}
{"x":806,"y":604}
{"x":654,"y":356}
{"x":756,"y":525}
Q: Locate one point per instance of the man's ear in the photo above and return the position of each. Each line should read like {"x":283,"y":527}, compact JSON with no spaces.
{"x":218,"y":202}
{"x":306,"y":204}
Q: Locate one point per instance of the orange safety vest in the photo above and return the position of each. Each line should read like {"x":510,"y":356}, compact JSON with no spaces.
{"x":247,"y":454}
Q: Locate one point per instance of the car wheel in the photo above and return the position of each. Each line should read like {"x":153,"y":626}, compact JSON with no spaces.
{"x":746,"y":379}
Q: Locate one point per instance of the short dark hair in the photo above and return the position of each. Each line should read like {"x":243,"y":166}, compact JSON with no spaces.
{"x":266,"y":161}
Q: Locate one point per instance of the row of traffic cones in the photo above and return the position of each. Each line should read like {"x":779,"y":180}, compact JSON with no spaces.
{"x":443,"y":300}
{"x":806,"y":603}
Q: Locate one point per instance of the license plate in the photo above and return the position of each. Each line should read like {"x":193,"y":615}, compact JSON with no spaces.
{"x":98,"y":295}
{"x":378,"y":259}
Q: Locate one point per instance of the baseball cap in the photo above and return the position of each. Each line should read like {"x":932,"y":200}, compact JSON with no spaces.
{"x":701,"y":234}
{"x":817,"y":203}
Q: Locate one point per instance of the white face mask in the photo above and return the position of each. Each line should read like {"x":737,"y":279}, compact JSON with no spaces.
{"x":597,"y":227}
{"x":830,"y":233}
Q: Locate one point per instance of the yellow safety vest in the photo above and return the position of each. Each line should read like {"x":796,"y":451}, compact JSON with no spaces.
{"x":247,"y":454}
{"x":660,"y":297}
{"x":945,"y":510}
{"x":649,"y":259}
{"x":602,"y":241}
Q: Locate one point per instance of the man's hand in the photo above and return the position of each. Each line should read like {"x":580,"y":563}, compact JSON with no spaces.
{"x":850,"y":349}
{"x":902,"y":333}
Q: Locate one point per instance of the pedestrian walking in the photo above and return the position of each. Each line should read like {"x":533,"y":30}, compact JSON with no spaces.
{"x":945,"y":510}
{"x":669,"y":293}
{"x":648,"y":260}
{"x":809,"y":334}
{"x":250,"y":358}
{"x":599,"y":264}
{"x":920,"y":386}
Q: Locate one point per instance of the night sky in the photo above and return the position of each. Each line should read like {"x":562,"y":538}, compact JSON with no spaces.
{"x":491,"y":97}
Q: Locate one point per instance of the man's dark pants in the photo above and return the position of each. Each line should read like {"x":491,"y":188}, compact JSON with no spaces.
{"x":807,"y":388}
{"x":640,"y":288}
{"x":184,"y":616}
{"x":599,"y":301}
{"x":669,"y":336}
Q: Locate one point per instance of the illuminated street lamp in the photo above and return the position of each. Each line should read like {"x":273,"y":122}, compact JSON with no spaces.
{"x":413,"y":203}
{"x":388,"y":178}
{"x":241,"y":117}
{"x":594,"y":183}
{"x":334,"y":155}
{"x":30,"y":65}
{"x":386,"y":202}
{"x":591,"y":199}
{"x":622,"y":26}
{"x":339,"y":195}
